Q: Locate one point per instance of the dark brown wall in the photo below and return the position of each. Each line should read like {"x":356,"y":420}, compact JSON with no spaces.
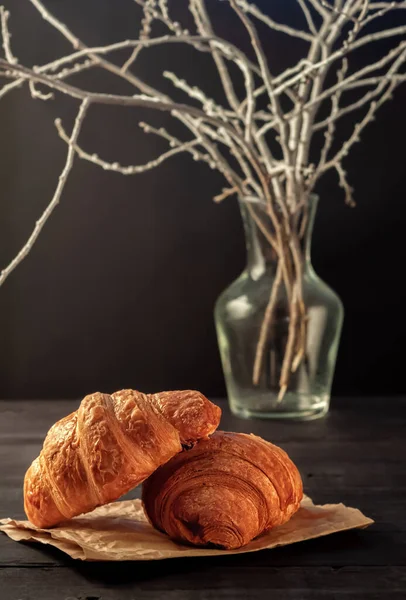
{"x":120,"y":287}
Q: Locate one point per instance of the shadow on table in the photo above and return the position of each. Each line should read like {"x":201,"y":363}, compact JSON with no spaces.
{"x":353,"y":548}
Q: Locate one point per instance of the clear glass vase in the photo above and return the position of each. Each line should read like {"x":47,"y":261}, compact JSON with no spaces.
{"x":253,"y":345}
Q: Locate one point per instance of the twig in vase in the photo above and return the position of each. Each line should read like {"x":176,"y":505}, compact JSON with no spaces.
{"x":266,"y":325}
{"x":290,"y":347}
{"x":231,"y":134}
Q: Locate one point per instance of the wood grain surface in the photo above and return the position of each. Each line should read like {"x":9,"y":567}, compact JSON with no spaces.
{"x":356,"y":455}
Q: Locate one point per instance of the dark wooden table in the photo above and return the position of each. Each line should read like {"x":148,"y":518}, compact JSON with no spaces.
{"x":356,"y":455}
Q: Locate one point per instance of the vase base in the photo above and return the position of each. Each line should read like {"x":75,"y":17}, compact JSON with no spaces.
{"x":292,"y":407}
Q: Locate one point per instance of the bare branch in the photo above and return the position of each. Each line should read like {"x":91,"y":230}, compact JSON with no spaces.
{"x":308,"y":17}
{"x":348,"y":190}
{"x":175,"y":142}
{"x":131,"y":59}
{"x":264,"y":331}
{"x":255,"y":12}
{"x":358,"y":75}
{"x":73,"y":70}
{"x":10,"y":86}
{"x":318,"y":6}
{"x":348,"y":10}
{"x":96,"y":51}
{"x":290,"y":349}
{"x":151,"y":12}
{"x":355,"y":137}
{"x":204,"y":27}
{"x":341,"y":11}
{"x":277,"y":110}
{"x":37,"y":94}
{"x":380,"y":83}
{"x":201,"y":131}
{"x":383,"y":5}
{"x":79,"y":45}
{"x":63,"y":74}
{"x":56,"y":197}
{"x":344,"y":84}
{"x":148,"y":17}
{"x":340,"y":53}
{"x":230,"y":136}
{"x":131,"y":169}
{"x":112,"y":99}
{"x":4,"y":16}
{"x":329,"y":134}
{"x":226,"y":193}
{"x":266,"y":75}
{"x":310,"y":89}
{"x":379,"y":13}
{"x":203,"y":23}
{"x":209,"y":105}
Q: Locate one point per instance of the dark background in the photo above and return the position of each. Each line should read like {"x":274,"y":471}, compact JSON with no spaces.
{"x":119,"y":289}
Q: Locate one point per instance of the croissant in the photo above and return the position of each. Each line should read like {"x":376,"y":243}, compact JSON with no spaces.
{"x":225,"y":491}
{"x":108,"y":446}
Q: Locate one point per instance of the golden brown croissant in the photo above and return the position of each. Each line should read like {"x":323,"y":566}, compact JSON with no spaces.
{"x":108,"y":446}
{"x":225,"y":491}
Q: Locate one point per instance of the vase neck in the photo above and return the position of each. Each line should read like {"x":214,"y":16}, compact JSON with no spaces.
{"x":262,"y":257}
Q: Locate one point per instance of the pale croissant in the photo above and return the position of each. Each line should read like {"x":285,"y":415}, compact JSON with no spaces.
{"x":108,"y":446}
{"x":225,"y":491}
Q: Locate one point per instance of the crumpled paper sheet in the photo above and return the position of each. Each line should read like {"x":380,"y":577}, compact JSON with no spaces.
{"x":120,"y":531}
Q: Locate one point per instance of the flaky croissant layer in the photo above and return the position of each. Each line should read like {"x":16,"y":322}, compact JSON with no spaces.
{"x":108,"y":446}
{"x":225,"y":491}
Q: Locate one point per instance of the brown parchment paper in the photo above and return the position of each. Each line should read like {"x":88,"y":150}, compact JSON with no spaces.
{"x":120,"y":531}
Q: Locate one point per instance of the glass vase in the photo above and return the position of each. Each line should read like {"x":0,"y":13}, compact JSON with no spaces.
{"x":258,"y":326}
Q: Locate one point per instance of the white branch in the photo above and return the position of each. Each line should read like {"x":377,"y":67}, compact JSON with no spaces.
{"x":175,"y":142}
{"x":383,"y":5}
{"x":10,"y":86}
{"x":400,"y":50}
{"x":151,"y":13}
{"x":266,"y":75}
{"x":380,"y":83}
{"x":340,"y":53}
{"x":131,"y":59}
{"x":73,"y":70}
{"x":255,"y":12}
{"x":228,"y":138}
{"x":348,"y":82}
{"x":318,"y":6}
{"x":267,"y":158}
{"x":204,"y":27}
{"x":209,"y":105}
{"x":148,"y":17}
{"x":56,"y":197}
{"x":355,"y":137}
{"x":310,"y":89}
{"x":96,"y":51}
{"x":226,"y":193}
{"x":15,"y":71}
{"x":63,"y":74}
{"x":347,"y":11}
{"x":37,"y":94}
{"x":329,"y":134}
{"x":308,"y":17}
{"x":79,"y":45}
{"x":202,"y":131}
{"x":131,"y":169}
{"x":5,"y":33}
{"x":379,"y":13}
{"x":348,"y":190}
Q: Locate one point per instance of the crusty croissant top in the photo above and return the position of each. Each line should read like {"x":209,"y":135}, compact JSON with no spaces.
{"x":226,"y":490}
{"x":108,"y":446}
